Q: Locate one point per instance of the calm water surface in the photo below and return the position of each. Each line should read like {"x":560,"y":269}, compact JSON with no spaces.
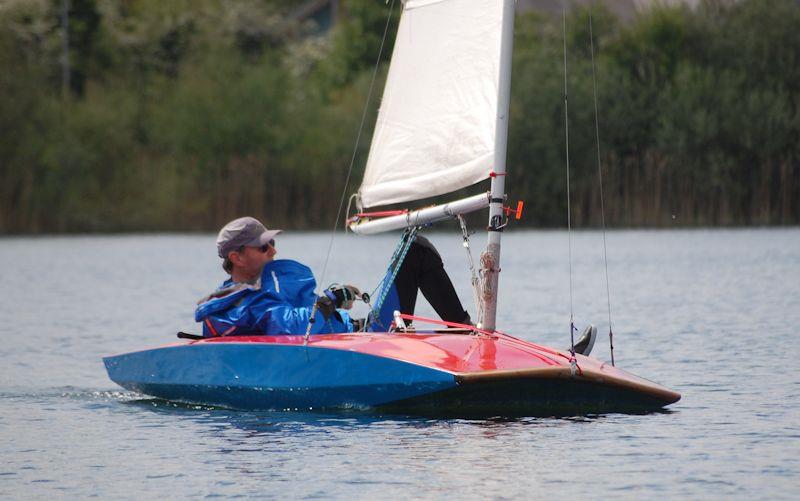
{"x":712,"y":314}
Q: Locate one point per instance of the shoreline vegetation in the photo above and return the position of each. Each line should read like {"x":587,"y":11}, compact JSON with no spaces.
{"x":179,"y":116}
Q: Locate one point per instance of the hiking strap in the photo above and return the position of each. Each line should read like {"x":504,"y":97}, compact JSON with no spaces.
{"x":399,"y":255}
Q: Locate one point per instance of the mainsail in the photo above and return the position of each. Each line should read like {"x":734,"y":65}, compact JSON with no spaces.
{"x":435,"y":131}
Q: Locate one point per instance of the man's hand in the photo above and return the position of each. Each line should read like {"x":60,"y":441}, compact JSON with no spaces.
{"x":326,"y":307}
{"x":343,"y":296}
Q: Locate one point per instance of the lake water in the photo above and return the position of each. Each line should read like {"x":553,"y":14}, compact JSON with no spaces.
{"x":712,"y":314}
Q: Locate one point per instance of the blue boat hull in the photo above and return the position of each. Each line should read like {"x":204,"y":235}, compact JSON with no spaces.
{"x":273,"y":377}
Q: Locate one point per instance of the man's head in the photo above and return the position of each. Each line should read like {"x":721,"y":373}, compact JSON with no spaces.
{"x":246,"y":246}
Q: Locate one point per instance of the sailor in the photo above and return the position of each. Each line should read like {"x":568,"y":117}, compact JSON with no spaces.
{"x":272,"y":296}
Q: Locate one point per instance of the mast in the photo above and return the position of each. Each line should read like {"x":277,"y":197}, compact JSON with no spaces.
{"x":490,"y":259}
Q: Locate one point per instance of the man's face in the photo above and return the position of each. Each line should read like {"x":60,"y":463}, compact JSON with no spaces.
{"x":249,"y":261}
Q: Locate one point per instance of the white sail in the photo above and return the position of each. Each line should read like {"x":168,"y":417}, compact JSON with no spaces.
{"x":436,"y":126}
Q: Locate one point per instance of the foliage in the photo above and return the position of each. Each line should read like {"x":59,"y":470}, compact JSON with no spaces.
{"x":181,"y":115}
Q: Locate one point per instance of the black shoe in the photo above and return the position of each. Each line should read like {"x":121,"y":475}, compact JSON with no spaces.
{"x":586,"y":341}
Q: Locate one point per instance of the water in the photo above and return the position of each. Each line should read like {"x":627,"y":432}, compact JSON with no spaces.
{"x":711,"y":314}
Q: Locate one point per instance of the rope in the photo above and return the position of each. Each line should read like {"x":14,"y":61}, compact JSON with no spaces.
{"x":569,"y":206}
{"x":602,"y":201}
{"x":454,"y":325}
{"x":347,"y":211}
{"x":399,"y":255}
{"x":350,"y":168}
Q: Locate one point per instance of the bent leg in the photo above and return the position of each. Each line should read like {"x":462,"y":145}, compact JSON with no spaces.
{"x":423,"y":270}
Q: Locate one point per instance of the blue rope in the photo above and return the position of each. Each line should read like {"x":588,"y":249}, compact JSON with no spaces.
{"x":398,"y":257}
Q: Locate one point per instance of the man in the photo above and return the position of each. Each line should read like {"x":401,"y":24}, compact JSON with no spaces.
{"x":269,"y":296}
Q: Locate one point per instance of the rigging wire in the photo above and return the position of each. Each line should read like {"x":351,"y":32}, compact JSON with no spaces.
{"x":474,"y":280}
{"x":569,"y":206}
{"x":602,"y":201}
{"x":352,"y":162}
{"x":358,"y":140}
{"x":395,"y":263}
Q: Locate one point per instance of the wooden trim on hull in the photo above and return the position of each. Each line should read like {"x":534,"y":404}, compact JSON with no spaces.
{"x":528,"y":397}
{"x":648,"y":388}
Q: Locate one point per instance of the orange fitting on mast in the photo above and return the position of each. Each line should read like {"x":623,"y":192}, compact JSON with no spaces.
{"x":517,"y":212}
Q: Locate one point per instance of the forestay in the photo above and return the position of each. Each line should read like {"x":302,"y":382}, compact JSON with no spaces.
{"x":435,"y":131}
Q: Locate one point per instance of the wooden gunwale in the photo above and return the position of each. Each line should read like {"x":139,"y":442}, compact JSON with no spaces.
{"x":564,"y":372}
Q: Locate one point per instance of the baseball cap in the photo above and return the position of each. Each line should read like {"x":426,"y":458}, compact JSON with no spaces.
{"x":246,"y":231}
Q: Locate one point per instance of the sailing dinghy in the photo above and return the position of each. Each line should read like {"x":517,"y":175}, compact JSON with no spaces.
{"x":442,"y":126}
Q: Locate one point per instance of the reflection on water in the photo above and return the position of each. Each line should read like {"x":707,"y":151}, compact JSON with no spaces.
{"x":276,"y":421}
{"x":708,"y":313}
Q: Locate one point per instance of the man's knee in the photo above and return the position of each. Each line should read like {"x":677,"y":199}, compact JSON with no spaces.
{"x":426,"y":251}
{"x":424,"y":243}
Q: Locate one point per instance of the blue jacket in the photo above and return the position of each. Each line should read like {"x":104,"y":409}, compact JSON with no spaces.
{"x":279,"y":303}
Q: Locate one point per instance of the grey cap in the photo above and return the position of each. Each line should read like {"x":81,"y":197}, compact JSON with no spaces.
{"x":243,"y":231}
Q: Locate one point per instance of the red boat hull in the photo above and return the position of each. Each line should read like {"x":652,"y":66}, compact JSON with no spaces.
{"x":424,"y":372}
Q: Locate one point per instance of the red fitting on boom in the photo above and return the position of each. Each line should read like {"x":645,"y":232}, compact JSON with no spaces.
{"x":384,"y":213}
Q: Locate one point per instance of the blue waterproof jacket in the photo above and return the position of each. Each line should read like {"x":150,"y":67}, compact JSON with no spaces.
{"x":280,"y":302}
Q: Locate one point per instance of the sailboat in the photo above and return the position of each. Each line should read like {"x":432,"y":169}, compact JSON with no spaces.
{"x":442,"y":126}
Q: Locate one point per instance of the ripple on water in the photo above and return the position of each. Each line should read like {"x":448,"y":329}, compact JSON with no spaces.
{"x":682,"y":318}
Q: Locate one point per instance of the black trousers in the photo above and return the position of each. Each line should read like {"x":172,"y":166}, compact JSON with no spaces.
{"x":422,"y":270}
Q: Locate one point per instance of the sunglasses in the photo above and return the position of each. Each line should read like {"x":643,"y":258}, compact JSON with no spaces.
{"x":264,"y":248}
